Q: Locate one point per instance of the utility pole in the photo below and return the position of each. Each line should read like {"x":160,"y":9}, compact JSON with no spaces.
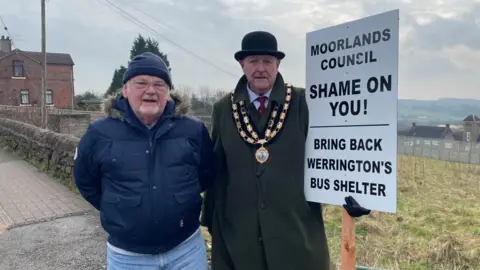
{"x":44,"y":70}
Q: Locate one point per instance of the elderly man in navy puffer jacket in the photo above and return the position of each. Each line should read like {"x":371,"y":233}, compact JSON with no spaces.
{"x":144,"y":167}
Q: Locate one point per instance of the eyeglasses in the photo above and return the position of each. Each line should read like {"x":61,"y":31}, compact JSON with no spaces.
{"x":142,"y":85}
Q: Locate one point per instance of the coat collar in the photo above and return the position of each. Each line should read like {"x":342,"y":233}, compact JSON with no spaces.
{"x":117,"y":106}
{"x":278,"y":90}
{"x":178,"y":105}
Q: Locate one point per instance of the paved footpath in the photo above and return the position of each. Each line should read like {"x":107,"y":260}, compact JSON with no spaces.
{"x":44,"y":225}
{"x":30,"y":196}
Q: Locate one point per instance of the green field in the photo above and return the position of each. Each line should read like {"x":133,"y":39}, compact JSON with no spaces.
{"x":437,"y":225}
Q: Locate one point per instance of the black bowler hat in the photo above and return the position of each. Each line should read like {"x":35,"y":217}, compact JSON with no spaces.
{"x":259,"y":43}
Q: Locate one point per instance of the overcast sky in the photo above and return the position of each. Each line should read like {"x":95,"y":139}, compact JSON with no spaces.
{"x":439,"y":49}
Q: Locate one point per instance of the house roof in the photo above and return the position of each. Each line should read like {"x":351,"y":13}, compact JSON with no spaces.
{"x":52,"y":58}
{"x":471,"y":118}
{"x":433,"y":132}
{"x":458,"y":135}
{"x":403,"y":132}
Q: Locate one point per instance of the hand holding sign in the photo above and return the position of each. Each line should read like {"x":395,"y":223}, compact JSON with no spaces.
{"x":354,"y":209}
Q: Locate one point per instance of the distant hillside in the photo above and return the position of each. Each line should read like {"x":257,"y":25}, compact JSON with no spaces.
{"x":435,"y":112}
{"x":423,"y":112}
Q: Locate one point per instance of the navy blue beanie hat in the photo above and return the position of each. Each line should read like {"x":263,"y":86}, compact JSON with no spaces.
{"x":147,"y":64}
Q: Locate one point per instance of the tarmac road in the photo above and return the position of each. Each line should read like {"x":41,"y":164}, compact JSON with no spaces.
{"x":68,"y":243}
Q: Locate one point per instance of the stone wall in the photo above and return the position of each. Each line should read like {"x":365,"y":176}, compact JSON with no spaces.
{"x":49,"y":151}
{"x":26,"y":114}
{"x":71,"y":122}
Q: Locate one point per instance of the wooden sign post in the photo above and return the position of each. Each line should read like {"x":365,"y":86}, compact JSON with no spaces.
{"x":348,"y":242}
{"x":352,"y":93}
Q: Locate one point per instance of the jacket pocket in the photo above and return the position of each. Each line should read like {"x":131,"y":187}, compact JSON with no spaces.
{"x":189,"y":203}
{"x":129,"y":156}
{"x":187,"y":195}
{"x":122,"y":200}
{"x":122,"y":215}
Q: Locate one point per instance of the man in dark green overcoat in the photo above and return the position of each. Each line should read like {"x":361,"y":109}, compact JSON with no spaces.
{"x":256,"y":212}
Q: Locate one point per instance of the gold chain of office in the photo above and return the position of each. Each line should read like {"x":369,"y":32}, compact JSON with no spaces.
{"x":262,"y":153}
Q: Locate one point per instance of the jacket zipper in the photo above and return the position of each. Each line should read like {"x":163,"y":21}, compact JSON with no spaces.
{"x":153,"y":136}
{"x":150,"y":177}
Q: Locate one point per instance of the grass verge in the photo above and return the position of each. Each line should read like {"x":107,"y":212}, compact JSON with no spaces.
{"x":437,"y":225}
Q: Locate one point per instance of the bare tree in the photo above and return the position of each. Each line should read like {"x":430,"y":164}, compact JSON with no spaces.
{"x":185,"y":89}
{"x":205,"y":94}
{"x":218,"y":94}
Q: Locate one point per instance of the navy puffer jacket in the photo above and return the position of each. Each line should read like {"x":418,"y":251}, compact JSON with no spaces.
{"x":146,"y":184}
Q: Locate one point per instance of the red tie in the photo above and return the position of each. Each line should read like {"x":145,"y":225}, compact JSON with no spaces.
{"x":262,"y":108}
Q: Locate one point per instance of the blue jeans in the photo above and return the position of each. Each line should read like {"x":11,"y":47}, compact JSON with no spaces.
{"x":189,"y":255}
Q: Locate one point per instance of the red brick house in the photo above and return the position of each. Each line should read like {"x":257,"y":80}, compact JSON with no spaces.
{"x":21,"y":77}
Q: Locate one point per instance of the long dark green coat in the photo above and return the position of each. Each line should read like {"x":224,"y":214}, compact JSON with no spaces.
{"x":257,"y":213}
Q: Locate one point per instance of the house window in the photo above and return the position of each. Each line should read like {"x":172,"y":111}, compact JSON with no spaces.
{"x":448,"y":145}
{"x":18,"y":70}
{"x":467,"y":136}
{"x":426,"y":142}
{"x":24,"y":97}
{"x":409,"y":143}
{"x":435,"y":143}
{"x":49,"y":97}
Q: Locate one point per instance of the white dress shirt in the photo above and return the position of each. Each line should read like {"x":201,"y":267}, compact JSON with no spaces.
{"x":253,"y":97}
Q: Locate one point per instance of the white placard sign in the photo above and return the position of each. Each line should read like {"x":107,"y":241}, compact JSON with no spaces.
{"x":351,"y":91}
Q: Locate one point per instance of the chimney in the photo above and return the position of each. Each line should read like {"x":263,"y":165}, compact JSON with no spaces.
{"x":5,"y":44}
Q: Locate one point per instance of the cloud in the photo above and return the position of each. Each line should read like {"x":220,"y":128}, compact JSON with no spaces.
{"x":439,"y":40}
{"x":439,"y":32}
{"x":463,"y":57}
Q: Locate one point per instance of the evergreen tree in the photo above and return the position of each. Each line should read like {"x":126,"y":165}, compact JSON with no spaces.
{"x":152,"y":46}
{"x":87,"y":96}
{"x":116,"y":84}
{"x":140,"y":45}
